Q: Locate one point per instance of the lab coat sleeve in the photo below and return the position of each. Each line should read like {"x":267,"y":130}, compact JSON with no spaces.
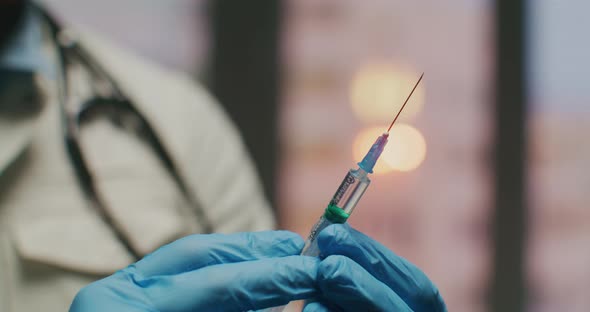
{"x":224,"y":175}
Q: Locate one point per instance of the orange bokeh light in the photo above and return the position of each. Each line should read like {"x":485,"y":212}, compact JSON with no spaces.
{"x":379,"y":89}
{"x":405,"y":151}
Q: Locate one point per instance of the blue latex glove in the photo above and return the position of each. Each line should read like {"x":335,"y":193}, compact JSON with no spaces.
{"x":360,"y":274}
{"x":214,"y":272}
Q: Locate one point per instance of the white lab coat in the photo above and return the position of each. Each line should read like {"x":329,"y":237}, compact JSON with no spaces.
{"x":52,"y":242}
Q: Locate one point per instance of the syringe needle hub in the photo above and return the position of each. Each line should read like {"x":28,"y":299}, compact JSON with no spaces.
{"x":370,"y":159}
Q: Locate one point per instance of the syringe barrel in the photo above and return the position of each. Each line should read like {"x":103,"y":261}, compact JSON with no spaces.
{"x":311,"y":248}
{"x":343,"y":202}
{"x":347,"y":195}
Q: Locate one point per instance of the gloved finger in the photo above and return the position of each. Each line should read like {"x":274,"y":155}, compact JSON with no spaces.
{"x":196,"y":251}
{"x":349,"y":286}
{"x":405,"y":279}
{"x":315,"y":306}
{"x":239,"y":286}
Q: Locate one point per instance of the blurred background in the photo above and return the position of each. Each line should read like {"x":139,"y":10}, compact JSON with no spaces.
{"x":485,"y":181}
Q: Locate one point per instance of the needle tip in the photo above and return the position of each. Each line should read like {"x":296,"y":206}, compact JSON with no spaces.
{"x":405,"y":102}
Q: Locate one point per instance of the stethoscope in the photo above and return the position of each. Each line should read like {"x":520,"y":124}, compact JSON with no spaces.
{"x":121,"y":110}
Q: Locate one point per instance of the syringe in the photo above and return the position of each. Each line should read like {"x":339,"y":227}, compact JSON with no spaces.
{"x":349,"y":192}
{"x":352,"y":188}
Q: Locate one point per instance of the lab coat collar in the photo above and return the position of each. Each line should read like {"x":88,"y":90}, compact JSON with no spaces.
{"x":19,"y":112}
{"x":22,"y":95}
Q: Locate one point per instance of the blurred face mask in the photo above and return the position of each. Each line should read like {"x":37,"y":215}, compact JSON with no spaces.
{"x":11,"y":13}
{"x":19,"y":90}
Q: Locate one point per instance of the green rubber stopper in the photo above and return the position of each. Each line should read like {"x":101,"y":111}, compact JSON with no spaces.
{"x":335,"y":214}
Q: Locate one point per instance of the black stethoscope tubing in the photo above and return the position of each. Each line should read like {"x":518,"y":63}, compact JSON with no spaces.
{"x":67,"y":49}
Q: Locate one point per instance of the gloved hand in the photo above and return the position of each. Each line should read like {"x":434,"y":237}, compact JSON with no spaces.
{"x":359,"y":274}
{"x":214,"y":272}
